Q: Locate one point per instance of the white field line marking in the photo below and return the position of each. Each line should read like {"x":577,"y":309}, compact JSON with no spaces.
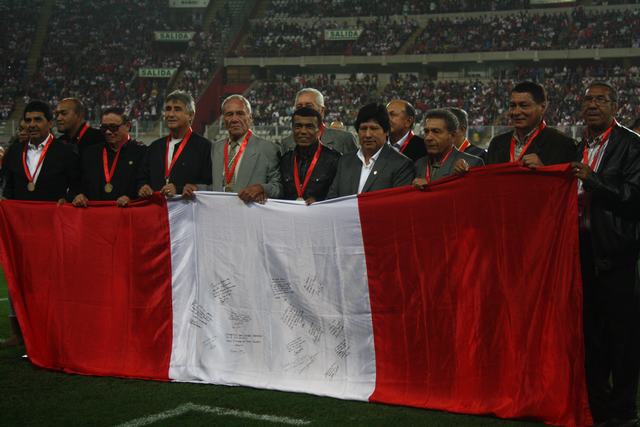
{"x":183,"y":409}
{"x":4,"y":299}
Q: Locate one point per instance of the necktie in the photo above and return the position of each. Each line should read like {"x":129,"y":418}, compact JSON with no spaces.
{"x":233,"y":149}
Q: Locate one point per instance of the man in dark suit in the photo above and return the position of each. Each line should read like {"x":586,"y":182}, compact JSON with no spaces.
{"x":402,"y":117}
{"x":461,"y":142}
{"x":339,"y":140}
{"x":41,"y":168}
{"x":70,"y":121}
{"x":179,"y":163}
{"x":309,"y":169}
{"x":609,"y":200}
{"x":442,"y":159}
{"x":532,"y":142}
{"x":109,"y":172}
{"x":44,"y":168}
{"x":244,"y":163}
{"x":376,"y":165}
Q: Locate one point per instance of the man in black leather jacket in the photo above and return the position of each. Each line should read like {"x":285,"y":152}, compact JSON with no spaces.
{"x":609,"y":199}
{"x":307,"y":170}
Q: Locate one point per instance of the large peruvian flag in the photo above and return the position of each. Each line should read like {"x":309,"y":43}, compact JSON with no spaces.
{"x":465,"y":297}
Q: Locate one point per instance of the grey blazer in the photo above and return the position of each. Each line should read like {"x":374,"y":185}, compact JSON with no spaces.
{"x":392,"y":169}
{"x":447,"y":168}
{"x":260,"y":164}
{"x":340,"y":140}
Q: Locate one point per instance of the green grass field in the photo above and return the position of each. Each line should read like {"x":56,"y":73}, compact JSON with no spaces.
{"x":36,"y":397}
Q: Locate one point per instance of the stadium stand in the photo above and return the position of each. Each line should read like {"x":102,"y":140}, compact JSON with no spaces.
{"x":99,"y":63}
{"x":286,"y":38}
{"x":308,"y":8}
{"x":516,"y":31}
{"x":577,"y":30}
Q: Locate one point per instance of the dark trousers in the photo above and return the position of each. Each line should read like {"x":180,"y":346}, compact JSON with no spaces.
{"x":612,"y":334}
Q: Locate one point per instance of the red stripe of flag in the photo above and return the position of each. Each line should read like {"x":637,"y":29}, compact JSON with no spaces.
{"x":476,"y":295}
{"x":91,"y":287}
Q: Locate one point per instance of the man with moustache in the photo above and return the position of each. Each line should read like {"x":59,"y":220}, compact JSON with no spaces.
{"x":244,"y":163}
{"x":442,"y":159}
{"x":70,"y":121}
{"x":376,"y":165}
{"x":402,"y":117}
{"x":531,"y":142}
{"x":461,"y":142}
{"x":109,"y":172}
{"x":179,"y":163}
{"x":341,"y":141}
{"x":40,"y":169}
{"x":308,"y":170}
{"x":609,"y":201}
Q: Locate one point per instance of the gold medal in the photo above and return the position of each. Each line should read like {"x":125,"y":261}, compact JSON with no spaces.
{"x":299,"y":199}
{"x":31,"y":186}
{"x":108,"y":188}
{"x":228,"y":188}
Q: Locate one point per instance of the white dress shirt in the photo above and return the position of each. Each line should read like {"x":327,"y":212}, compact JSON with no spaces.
{"x":33,"y":155}
{"x":366,"y":169}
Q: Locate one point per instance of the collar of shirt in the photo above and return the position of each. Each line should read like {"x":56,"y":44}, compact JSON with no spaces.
{"x":307,"y":152}
{"x":372,"y":160}
{"x":593,"y":142}
{"x":38,"y":147}
{"x":237,"y":142}
{"x":399,"y":143}
{"x":526,"y":137}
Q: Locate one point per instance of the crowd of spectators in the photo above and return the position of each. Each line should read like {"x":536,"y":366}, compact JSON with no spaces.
{"x":486,"y":100}
{"x":380,"y":36}
{"x":385,"y":35}
{"x":520,"y":31}
{"x":95,"y":54}
{"x":335,"y":8}
{"x":16,"y":36}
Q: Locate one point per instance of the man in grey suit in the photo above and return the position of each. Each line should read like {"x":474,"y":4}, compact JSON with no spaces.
{"x":243,"y":162}
{"x":376,"y":165}
{"x":339,"y":140}
{"x":440,"y":127}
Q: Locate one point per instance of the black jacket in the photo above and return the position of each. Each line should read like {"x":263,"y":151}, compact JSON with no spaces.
{"x":550,"y":145}
{"x":60,"y":170}
{"x":91,"y":137}
{"x":124,"y":180}
{"x":614,"y":199}
{"x":477,"y":151}
{"x":192,"y":167}
{"x":321,"y":178}
{"x":415,"y":148}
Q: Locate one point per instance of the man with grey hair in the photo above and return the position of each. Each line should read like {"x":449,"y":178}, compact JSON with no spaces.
{"x":180,"y":162}
{"x":243,"y":163}
{"x":461,"y":142}
{"x":337,"y":139}
{"x":442,"y":159}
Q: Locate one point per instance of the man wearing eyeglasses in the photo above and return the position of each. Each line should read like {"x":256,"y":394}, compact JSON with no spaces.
{"x":609,"y":201}
{"x":109,"y":171}
{"x":531,"y":141}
